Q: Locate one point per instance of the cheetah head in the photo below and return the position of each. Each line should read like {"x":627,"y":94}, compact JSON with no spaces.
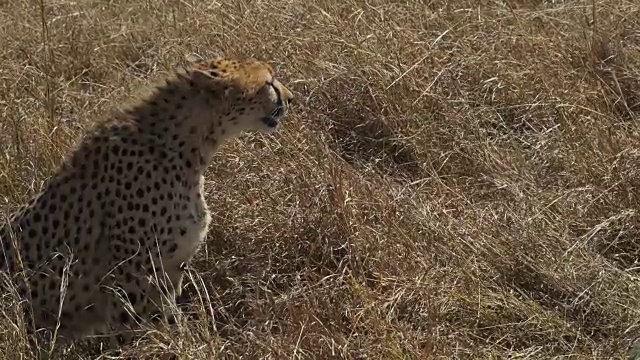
{"x":253,"y":99}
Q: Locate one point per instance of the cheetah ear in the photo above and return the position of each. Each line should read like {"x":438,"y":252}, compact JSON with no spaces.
{"x":187,"y":62}
{"x":193,"y":59}
{"x":204,"y":77}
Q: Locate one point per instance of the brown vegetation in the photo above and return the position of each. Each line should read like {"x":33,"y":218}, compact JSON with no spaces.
{"x":459,"y":179}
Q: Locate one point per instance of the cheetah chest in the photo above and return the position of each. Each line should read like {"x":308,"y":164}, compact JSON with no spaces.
{"x":194,"y":225}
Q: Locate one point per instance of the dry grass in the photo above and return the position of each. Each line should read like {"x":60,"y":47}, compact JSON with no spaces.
{"x":459,"y":179}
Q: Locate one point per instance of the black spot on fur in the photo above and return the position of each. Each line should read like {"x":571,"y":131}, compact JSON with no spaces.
{"x":124,"y":317}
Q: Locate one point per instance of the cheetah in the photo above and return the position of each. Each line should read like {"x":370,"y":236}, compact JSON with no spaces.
{"x":105,"y":243}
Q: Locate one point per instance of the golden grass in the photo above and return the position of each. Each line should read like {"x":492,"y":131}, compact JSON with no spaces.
{"x":459,"y":179}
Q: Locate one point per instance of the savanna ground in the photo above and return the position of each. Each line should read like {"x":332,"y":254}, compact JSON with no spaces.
{"x":458,"y":179}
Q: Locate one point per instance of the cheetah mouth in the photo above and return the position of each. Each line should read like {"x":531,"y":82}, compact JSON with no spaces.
{"x":270,"y":121}
{"x":273,"y":119}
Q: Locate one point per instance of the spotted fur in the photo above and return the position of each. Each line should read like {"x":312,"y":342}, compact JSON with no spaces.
{"x":125,"y":212}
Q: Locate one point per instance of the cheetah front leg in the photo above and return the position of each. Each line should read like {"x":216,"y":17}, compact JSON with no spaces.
{"x":137,"y":300}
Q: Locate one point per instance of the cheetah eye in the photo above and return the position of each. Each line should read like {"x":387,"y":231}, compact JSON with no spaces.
{"x":214,"y":73}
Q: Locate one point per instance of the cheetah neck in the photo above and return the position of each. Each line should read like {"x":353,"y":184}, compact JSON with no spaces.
{"x":186,"y":121}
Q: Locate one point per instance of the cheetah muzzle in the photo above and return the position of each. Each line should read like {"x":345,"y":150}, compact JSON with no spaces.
{"x":272,"y":120}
